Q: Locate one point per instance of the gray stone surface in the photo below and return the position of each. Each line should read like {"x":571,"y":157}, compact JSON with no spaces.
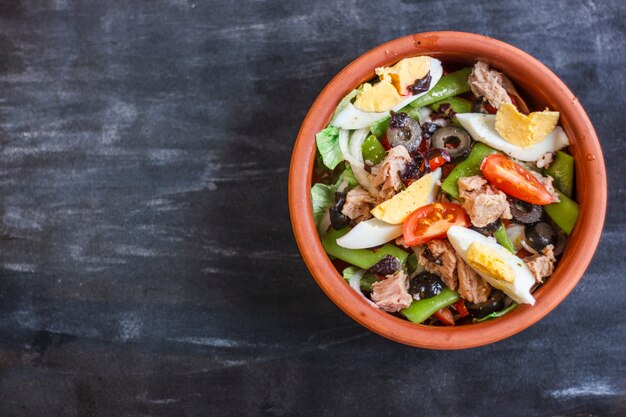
{"x":147,"y":264}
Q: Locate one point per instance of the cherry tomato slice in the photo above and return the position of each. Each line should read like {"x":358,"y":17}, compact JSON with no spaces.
{"x":461,"y":309}
{"x":436,"y":162}
{"x":514,"y":180}
{"x":445,"y":316}
{"x":490,"y":109}
{"x":432,"y":221}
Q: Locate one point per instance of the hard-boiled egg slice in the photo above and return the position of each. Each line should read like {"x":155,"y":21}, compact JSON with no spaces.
{"x":370,"y":233}
{"x":352,"y":118}
{"x":421,"y":192}
{"x":494,"y":263}
{"x":482,"y":127}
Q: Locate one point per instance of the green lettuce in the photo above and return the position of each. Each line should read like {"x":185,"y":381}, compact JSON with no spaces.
{"x":328,"y":146}
{"x":366,"y":281}
{"x":322,"y":199}
{"x":323,"y":195}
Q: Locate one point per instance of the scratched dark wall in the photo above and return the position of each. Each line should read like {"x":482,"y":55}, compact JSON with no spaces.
{"x":147,"y":264}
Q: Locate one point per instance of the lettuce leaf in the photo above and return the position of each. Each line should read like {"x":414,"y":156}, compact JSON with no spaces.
{"x":322,"y":199}
{"x":328,"y":146}
{"x":323,"y":195}
{"x":367,"y":280}
{"x":346,"y":175}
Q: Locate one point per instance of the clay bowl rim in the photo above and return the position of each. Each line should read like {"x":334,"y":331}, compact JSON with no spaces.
{"x":547,"y":88}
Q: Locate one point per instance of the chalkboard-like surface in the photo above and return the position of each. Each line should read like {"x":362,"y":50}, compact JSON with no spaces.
{"x":147,"y":264}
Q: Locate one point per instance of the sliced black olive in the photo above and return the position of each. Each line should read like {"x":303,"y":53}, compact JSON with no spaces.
{"x":495,"y":302}
{"x":404,"y":130}
{"x":421,"y":85}
{"x":455,"y":140}
{"x":488,"y":230}
{"x":417,"y":167}
{"x":428,"y":129}
{"x":524,"y":212}
{"x":338,"y":220}
{"x":425,"y":285}
{"x":386,"y":266}
{"x":561,"y":241}
{"x":539,"y":235}
{"x":478,"y":106}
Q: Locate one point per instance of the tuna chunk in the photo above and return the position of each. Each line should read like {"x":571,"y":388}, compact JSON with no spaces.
{"x":547,"y":182}
{"x":471,"y":285}
{"x":545,"y":160}
{"x":488,"y":83}
{"x":439,"y":258}
{"x":391,"y":294}
{"x":541,"y":265}
{"x":387,"y":174}
{"x":483,"y":203}
{"x":358,"y":205}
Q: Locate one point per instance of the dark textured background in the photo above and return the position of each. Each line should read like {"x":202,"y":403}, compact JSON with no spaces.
{"x":147,"y":264}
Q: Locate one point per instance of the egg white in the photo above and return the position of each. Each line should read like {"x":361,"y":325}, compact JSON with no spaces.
{"x":482,"y":127}
{"x":370,"y":233}
{"x":352,"y":118}
{"x":519,"y":290}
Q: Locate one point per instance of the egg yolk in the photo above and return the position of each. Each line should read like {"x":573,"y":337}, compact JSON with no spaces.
{"x":405,"y":73}
{"x":379,"y":97}
{"x":488,"y":261}
{"x":521,"y":130}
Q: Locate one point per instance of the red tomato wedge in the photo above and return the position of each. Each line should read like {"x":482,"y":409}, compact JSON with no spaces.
{"x":436,"y":162}
{"x":460,"y":308}
{"x":514,"y":180}
{"x":432,"y":221}
{"x":445,"y":316}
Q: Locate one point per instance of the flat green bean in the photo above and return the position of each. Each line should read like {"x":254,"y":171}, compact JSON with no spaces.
{"x":562,"y":170}
{"x":449,"y":85}
{"x":564,"y":213}
{"x":420,"y":310}
{"x":467,"y":168}
{"x":372,"y":150}
{"x":363,"y":258}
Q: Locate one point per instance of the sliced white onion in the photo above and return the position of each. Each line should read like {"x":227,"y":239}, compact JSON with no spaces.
{"x":423,"y":114}
{"x":515,"y":233}
{"x":370,"y":233}
{"x":355,"y":283}
{"x":358,"y":167}
{"x":356,"y":143}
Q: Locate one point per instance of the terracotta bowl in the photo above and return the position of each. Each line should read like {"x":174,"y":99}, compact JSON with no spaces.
{"x":543,"y":89}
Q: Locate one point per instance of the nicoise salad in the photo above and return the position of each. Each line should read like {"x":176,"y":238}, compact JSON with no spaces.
{"x":439,"y":195}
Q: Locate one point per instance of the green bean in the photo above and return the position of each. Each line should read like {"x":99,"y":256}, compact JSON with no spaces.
{"x":372,"y":150}
{"x":449,"y":85}
{"x":379,"y":128}
{"x":503,"y":239}
{"x":563,"y":213}
{"x":452,"y":106}
{"x":363,"y":258}
{"x":456,"y":104}
{"x":467,"y":168}
{"x":562,"y":170}
{"x":420,"y":310}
